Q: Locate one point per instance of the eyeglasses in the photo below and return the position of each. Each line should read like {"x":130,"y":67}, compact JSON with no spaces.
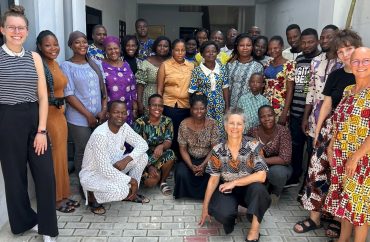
{"x":365,"y":62}
{"x":12,"y":28}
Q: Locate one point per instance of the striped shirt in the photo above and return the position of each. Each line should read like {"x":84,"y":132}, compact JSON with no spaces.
{"x":301,"y":79}
{"x":18,"y":78}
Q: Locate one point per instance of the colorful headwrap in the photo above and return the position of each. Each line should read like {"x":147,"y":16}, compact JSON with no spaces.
{"x":110,"y":39}
{"x":75,"y":35}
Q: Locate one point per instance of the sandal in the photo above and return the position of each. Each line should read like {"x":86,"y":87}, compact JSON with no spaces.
{"x":97,"y":208}
{"x":165,"y":189}
{"x":311,"y":226}
{"x":137,"y":199}
{"x":335,"y":229}
{"x":326,"y":218}
{"x":65,"y":208}
{"x":73,"y":203}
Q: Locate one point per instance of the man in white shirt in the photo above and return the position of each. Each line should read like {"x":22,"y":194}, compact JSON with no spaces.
{"x":105,"y":165}
{"x":293,"y":35}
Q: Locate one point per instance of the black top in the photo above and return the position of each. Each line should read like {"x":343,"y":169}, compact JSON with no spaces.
{"x":337,"y":81}
{"x":132,"y":63}
{"x":301,"y":80}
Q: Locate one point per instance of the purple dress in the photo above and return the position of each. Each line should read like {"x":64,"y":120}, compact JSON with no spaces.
{"x":121,"y":85}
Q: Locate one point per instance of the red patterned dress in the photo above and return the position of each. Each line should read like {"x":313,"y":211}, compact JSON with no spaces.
{"x":349,"y":198}
{"x":276,"y":82}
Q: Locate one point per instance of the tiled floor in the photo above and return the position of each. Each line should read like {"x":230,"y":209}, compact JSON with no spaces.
{"x":166,"y":219}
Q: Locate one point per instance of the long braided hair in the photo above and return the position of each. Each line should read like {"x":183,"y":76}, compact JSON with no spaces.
{"x":48,"y":75}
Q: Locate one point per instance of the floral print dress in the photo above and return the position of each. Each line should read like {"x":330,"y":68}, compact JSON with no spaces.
{"x":276,"y":82}
{"x":121,"y":85}
{"x":211,"y":83}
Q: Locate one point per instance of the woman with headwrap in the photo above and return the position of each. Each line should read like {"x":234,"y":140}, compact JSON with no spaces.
{"x":119,"y":78}
{"x":85,"y":95}
{"x":48,"y":48}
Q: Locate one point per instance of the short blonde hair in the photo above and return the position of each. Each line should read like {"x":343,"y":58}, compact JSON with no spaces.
{"x":232,"y":111}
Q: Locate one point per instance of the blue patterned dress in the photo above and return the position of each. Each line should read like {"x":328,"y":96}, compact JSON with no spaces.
{"x":211,"y":83}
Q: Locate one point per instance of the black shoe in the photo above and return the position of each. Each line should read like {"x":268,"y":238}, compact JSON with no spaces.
{"x":228,"y":228}
{"x":255,"y":240}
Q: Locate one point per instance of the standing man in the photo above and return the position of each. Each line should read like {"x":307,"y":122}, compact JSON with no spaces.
{"x":321,"y":66}
{"x":230,"y":39}
{"x":293,"y":35}
{"x":309,"y":43}
{"x":254,"y":32}
{"x":96,"y":49}
{"x":145,"y":48}
{"x":218,"y":37}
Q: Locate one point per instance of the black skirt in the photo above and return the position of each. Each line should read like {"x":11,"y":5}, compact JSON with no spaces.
{"x":187,"y":184}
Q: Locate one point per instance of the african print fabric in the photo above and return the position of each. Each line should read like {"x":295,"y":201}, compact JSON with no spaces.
{"x":349,"y":197}
{"x":155,"y":135}
{"x":211,"y":83}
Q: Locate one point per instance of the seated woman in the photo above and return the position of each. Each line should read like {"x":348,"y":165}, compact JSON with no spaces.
{"x":276,"y":147}
{"x":197,"y":136}
{"x":157,"y":131}
{"x":237,"y":172}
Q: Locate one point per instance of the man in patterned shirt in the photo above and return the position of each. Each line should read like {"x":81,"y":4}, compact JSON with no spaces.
{"x":96,"y":49}
{"x":321,"y":66}
{"x":145,"y":48}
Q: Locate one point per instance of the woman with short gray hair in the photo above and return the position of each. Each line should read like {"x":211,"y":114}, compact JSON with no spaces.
{"x":237,"y":172}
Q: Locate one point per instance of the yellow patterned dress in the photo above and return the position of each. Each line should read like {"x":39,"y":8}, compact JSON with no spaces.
{"x":349,"y":198}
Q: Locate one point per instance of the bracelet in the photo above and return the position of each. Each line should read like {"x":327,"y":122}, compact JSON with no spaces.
{"x":43,"y":131}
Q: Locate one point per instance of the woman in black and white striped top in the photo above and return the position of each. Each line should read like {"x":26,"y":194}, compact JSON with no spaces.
{"x":23,"y":135}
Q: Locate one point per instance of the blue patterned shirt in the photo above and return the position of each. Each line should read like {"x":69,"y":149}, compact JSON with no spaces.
{"x":95,"y":53}
{"x":145,"y":49}
{"x":250,"y":103}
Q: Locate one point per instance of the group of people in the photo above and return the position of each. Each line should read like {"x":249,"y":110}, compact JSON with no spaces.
{"x":231,"y":116}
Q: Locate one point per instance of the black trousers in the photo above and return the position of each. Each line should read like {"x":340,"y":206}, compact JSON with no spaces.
{"x":177,"y":115}
{"x":18,"y":127}
{"x":224,"y":207}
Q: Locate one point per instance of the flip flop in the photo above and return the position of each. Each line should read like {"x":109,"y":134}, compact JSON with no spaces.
{"x":65,"y":208}
{"x":165,"y":189}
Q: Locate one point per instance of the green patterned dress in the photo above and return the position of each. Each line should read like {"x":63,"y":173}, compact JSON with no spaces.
{"x":155,"y":135}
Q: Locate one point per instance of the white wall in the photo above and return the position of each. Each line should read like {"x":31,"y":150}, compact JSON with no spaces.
{"x":170,"y":17}
{"x":360,"y":18}
{"x":112,"y":12}
{"x":279,"y":14}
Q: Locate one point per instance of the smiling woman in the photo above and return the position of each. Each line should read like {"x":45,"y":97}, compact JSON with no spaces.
{"x":23,"y":135}
{"x":120,"y":80}
{"x":85,"y":95}
{"x":48,"y":47}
